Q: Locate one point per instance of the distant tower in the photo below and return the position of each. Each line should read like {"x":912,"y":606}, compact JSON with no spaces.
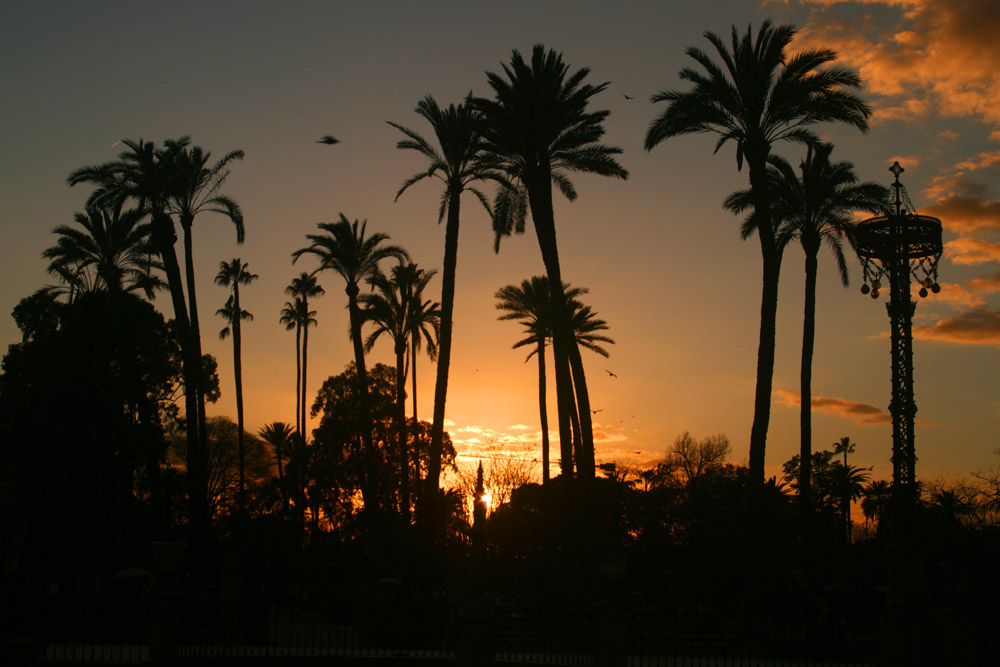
{"x":900,"y":245}
{"x":479,"y":503}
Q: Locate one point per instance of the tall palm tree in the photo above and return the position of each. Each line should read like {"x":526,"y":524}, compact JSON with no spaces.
{"x":456,"y":163}
{"x":304,"y":287}
{"x":536,"y":130}
{"x":530,"y":304}
{"x":161,"y":182}
{"x":343,"y":248}
{"x":844,"y":446}
{"x":812,"y":209}
{"x":296,"y":315}
{"x":109,"y":250}
{"x":194,"y":189}
{"x":233,"y":274}
{"x":758,"y":96}
{"x":386,"y":308}
{"x":423,"y":318}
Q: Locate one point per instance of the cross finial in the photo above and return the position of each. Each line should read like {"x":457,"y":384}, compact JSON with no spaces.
{"x":896,"y":169}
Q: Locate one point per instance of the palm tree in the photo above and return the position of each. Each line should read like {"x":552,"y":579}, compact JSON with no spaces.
{"x":344,"y":249}
{"x":456,"y":163}
{"x":877,"y":498}
{"x":154,"y":179}
{"x":844,"y":446}
{"x":530,"y":304}
{"x":759,"y":96}
{"x":304,"y":287}
{"x":296,"y":315}
{"x":233,"y":274}
{"x":423,"y":318}
{"x":109,"y":250}
{"x":279,"y":435}
{"x":814,"y":209}
{"x":849,"y":482}
{"x":536,"y":130}
{"x":387,"y":309}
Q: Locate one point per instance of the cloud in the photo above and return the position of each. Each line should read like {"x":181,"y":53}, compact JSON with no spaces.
{"x":519,"y":427}
{"x":940,"y":57}
{"x":964,"y":206}
{"x":969,"y":251}
{"x":974,"y":327}
{"x":861,"y":413}
{"x":981,"y":161}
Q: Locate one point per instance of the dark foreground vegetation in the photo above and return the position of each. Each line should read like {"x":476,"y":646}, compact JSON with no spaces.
{"x":137,"y":529}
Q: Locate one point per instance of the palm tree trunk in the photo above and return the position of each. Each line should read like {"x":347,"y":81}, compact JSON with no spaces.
{"x":540,"y":200}
{"x":298,"y":379}
{"x":303,"y":400}
{"x":431,"y":502}
{"x":564,"y":405}
{"x":585,"y":459}
{"x":164,"y":237}
{"x":768,"y":313}
{"x":404,"y":468}
{"x":369,"y":490}
{"x":201,"y":470}
{"x":805,"y":407}
{"x":238,"y":365}
{"x":413,"y":365}
{"x":543,"y":413}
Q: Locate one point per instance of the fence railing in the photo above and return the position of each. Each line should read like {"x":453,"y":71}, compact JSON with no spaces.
{"x":176,"y":629}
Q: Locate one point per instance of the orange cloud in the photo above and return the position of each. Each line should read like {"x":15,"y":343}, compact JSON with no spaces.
{"x":973,"y":327}
{"x":964,"y":206}
{"x":943,"y":56}
{"x":861,"y":413}
{"x":969,"y":252}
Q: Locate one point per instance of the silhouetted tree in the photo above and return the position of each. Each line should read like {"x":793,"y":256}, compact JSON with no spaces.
{"x":813,"y":209}
{"x":758,"y":96}
{"x":344,"y":249}
{"x":694,"y":458}
{"x":303,"y":287}
{"x":456,"y":163}
{"x":233,"y":274}
{"x":536,"y":130}
{"x":175,"y":180}
{"x":109,"y":250}
{"x":279,"y":436}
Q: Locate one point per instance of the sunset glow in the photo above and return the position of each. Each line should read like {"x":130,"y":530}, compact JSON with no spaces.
{"x":663,"y":261}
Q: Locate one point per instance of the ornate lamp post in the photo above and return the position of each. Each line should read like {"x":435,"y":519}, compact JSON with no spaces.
{"x":898,"y":246}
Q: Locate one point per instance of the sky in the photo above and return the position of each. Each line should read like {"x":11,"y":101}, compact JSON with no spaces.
{"x":662,"y":259}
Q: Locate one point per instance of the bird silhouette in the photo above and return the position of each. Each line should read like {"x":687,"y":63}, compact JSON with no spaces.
{"x":610,"y":373}
{"x":628,"y":97}
{"x":596,"y":411}
{"x":328,"y":139}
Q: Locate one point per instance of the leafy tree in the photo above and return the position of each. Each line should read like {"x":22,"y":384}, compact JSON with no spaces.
{"x":695,"y":458}
{"x":82,"y":406}
{"x":760,"y":95}
{"x":340,"y":460}
{"x":536,"y":130}
{"x":344,"y":249}
{"x":456,"y":162}
{"x":303,"y":287}
{"x":813,"y":209}
{"x":233,"y":274}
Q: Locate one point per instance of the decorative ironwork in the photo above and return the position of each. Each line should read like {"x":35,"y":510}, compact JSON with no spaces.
{"x":898,"y":247}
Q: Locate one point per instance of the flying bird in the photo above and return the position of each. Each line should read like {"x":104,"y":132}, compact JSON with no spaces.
{"x":628,"y":97}
{"x":328,"y":140}
{"x":610,"y":373}
{"x":596,"y":411}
